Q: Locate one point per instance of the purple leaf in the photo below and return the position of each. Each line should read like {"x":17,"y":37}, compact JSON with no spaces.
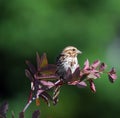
{"x":31,"y":67}
{"x":28,"y":74}
{"x":36,"y":114}
{"x":76,"y":74}
{"x":3,"y":110}
{"x":86,"y":64}
{"x":73,"y":83}
{"x":92,"y":85}
{"x":95,"y":64}
{"x":97,"y":74}
{"x":81,"y":84}
{"x":47,"y":83}
{"x":68,"y":76}
{"x":59,"y":82}
{"x":46,"y":77}
{"x":112,"y":75}
{"x":39,"y":92}
{"x":102,"y":67}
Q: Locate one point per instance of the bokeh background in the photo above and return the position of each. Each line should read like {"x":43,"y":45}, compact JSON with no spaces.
{"x":30,"y":26}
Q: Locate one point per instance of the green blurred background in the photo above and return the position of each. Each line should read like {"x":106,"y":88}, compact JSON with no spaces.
{"x":27,"y":26}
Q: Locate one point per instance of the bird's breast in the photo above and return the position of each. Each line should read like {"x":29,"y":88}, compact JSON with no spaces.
{"x":71,"y":63}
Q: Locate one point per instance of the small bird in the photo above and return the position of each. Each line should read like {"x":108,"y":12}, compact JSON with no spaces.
{"x":67,"y":59}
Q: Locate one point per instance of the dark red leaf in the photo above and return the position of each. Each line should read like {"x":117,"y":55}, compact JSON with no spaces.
{"x":30,"y":96}
{"x":73,"y":82}
{"x":48,"y":84}
{"x":59,"y":82}
{"x":76,"y":74}
{"x":31,"y":67}
{"x":79,"y":84}
{"x":28,"y":74}
{"x":68,"y":76}
{"x":92,"y":85}
{"x":21,"y":115}
{"x":36,"y":114}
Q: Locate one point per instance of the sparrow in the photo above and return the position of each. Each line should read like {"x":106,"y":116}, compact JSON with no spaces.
{"x":66,"y":60}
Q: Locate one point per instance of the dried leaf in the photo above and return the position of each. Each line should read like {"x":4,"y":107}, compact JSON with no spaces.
{"x":38,"y":61}
{"x":44,"y":61}
{"x":13,"y":115}
{"x":37,"y":102}
{"x":49,"y":70}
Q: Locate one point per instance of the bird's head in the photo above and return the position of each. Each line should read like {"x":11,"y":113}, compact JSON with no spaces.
{"x":71,"y":51}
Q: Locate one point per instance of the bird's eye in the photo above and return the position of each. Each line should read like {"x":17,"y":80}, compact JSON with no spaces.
{"x":73,"y":49}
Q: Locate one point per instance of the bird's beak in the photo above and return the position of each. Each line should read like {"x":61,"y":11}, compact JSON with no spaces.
{"x":79,"y":52}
